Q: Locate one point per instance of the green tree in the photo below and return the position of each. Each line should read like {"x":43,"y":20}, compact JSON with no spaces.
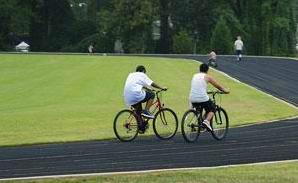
{"x":197,"y":18}
{"x":182,"y":43}
{"x":221,"y":40}
{"x":131,"y":22}
{"x":165,"y":33}
{"x":51,"y":29}
{"x":14,"y":22}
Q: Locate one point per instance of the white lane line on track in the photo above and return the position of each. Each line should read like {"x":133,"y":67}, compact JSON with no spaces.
{"x":140,"y":151}
{"x":154,"y":147}
{"x":149,"y":164}
{"x":142,"y":145}
{"x":266,"y":129}
{"x":134,"y":158}
{"x":147,"y":171}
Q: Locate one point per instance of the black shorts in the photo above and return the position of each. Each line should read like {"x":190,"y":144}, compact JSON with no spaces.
{"x":208,"y":106}
{"x":138,"y":106}
{"x":149,"y":95}
{"x":238,"y":52}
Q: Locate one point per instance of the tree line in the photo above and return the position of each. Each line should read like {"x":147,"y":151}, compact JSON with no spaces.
{"x":267,"y":27}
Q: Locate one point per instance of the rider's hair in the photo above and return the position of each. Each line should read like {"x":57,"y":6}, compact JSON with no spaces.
{"x":204,"y":68}
{"x":140,"y":68}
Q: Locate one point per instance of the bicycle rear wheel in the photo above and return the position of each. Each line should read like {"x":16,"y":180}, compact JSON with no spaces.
{"x":165,"y":124}
{"x":125,"y":126}
{"x":190,"y":127}
{"x":220,"y":124}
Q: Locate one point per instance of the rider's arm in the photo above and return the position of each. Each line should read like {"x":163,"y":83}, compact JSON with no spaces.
{"x":157,"y":86}
{"x":216,"y":84}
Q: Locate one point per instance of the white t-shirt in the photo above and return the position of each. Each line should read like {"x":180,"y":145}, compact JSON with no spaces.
{"x":90,"y":49}
{"x":212,"y":55}
{"x":198,"y":91}
{"x":238,"y":45}
{"x":133,"y":89}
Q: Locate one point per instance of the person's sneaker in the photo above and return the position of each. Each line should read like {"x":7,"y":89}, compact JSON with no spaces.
{"x":143,"y":127}
{"x":207,"y":125}
{"x":142,"y":130}
{"x":147,"y":114}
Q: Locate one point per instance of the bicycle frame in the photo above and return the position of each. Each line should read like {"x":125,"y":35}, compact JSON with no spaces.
{"x":157,"y":103}
{"x":164,"y":122}
{"x":214,"y":93}
{"x":192,"y":121}
{"x":200,"y":109}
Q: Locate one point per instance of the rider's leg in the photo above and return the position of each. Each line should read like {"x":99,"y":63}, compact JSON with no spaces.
{"x":210,"y":110}
{"x":209,"y":116}
{"x":149,"y":104}
{"x":238,"y":53}
{"x":141,"y":123}
{"x":149,"y":99}
{"x":207,"y":120}
{"x":138,"y":109}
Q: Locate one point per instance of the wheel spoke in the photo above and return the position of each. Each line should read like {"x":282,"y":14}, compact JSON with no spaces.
{"x":165,"y":124}
{"x":125,"y":126}
{"x":220,"y":124}
{"x":189,"y":126}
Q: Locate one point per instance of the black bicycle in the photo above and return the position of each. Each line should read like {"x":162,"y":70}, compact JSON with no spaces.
{"x":165,"y":122}
{"x":191,"y":125}
{"x":212,"y":63}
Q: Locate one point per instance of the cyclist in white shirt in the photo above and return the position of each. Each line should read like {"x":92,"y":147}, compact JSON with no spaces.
{"x":135,"y":92}
{"x":198,"y":93}
{"x":238,"y":47}
{"x":212,"y":59}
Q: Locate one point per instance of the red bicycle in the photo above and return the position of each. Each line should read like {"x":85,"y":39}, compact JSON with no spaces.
{"x":165,"y":122}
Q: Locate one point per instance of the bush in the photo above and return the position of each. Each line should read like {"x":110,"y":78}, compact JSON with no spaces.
{"x":182,"y":43}
{"x":221,"y":40}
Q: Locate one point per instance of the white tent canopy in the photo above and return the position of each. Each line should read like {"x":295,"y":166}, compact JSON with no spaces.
{"x":22,"y":46}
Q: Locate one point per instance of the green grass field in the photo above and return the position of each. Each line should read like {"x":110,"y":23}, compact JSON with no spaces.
{"x":60,"y":98}
{"x":273,"y":173}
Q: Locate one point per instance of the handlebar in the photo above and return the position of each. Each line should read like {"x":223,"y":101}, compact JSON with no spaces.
{"x":216,"y":92}
{"x":158,"y":91}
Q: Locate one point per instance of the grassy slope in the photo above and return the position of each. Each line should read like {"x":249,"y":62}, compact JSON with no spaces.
{"x":55,"y":98}
{"x":274,"y":173}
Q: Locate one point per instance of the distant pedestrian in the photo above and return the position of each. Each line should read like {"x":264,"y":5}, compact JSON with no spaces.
{"x":239,"y":48}
{"x":212,"y":59}
{"x":91,"y":49}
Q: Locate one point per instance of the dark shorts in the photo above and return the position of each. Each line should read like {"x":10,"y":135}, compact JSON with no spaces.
{"x":149,"y":95}
{"x":207,"y":106}
{"x":238,"y":52}
{"x":138,"y":106}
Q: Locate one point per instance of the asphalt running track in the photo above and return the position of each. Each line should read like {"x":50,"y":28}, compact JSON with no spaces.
{"x":276,"y":76}
{"x":259,"y":143}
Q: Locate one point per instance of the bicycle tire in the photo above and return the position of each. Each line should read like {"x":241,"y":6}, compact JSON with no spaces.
{"x":165,"y":124}
{"x":220,"y":124}
{"x":125,"y":126}
{"x":190,"y":126}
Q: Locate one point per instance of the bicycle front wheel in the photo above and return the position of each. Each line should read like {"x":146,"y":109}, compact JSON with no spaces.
{"x":125,"y":126}
{"x":165,"y":124}
{"x":190,"y":127}
{"x":220,"y":124}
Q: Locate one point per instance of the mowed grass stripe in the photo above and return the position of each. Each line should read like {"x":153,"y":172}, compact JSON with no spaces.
{"x":61,"y":98}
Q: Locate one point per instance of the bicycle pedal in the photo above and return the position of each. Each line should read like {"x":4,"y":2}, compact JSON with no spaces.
{"x":203,"y":128}
{"x":141,"y":131}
